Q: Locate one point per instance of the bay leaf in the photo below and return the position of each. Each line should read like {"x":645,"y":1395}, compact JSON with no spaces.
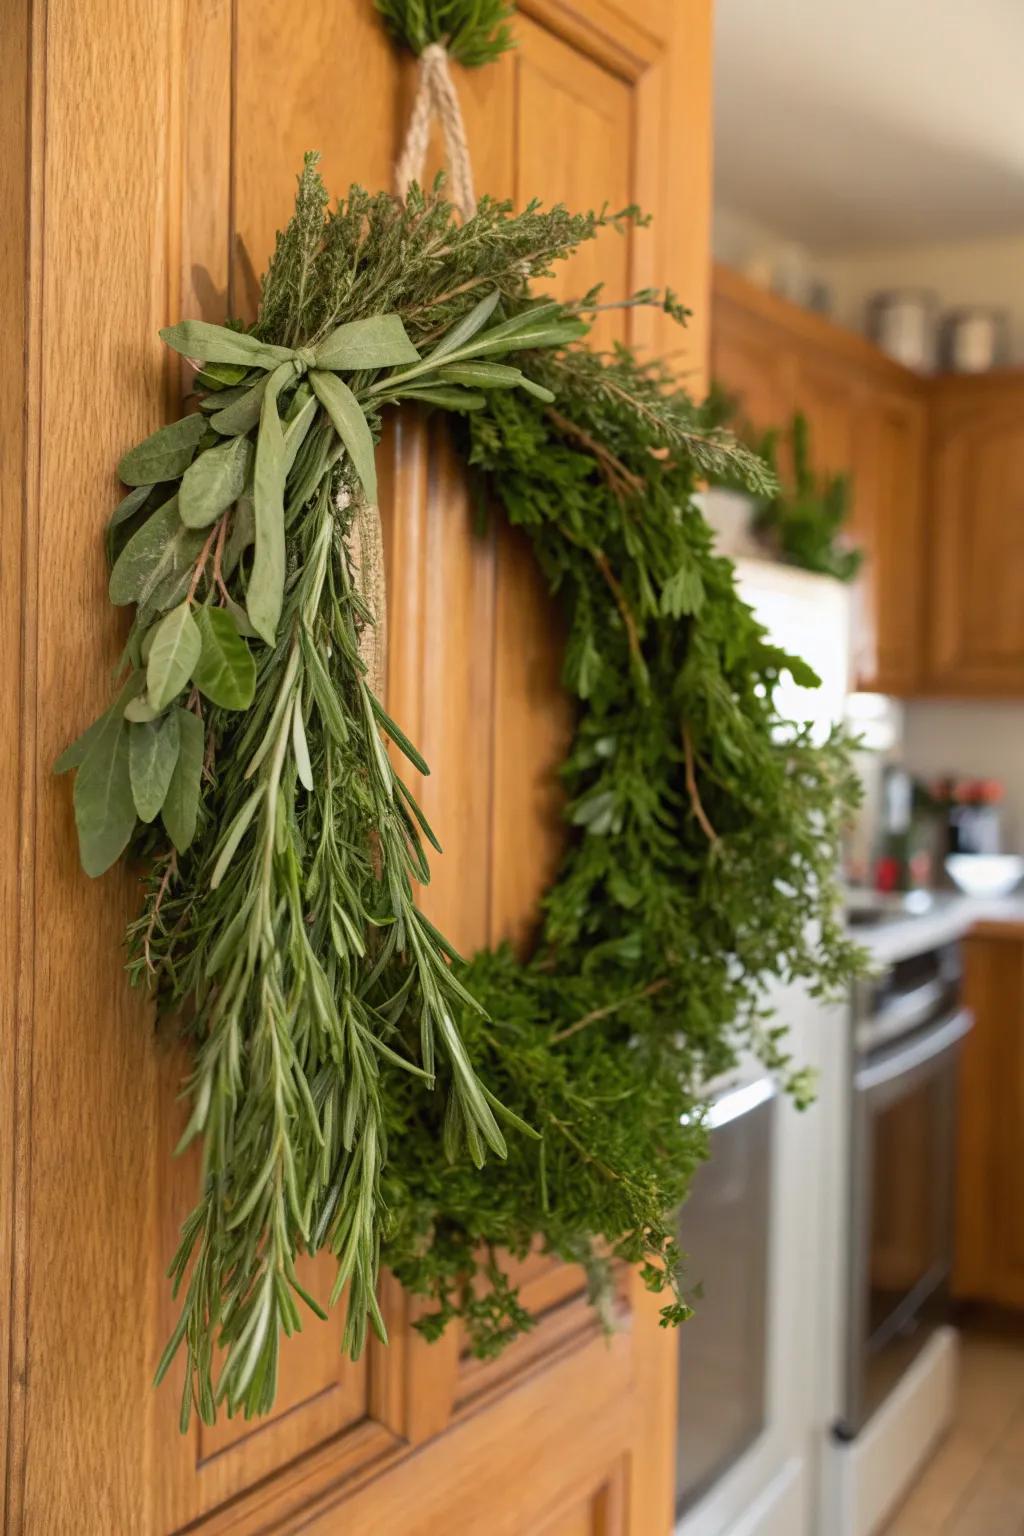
{"x":152,"y":755}
{"x":162,"y":548}
{"x":217,"y":344}
{"x":164,"y":455}
{"x":225,"y":671}
{"x":380,"y":341}
{"x":173,"y":653}
{"x":213,"y":481}
{"x":181,"y":803}
{"x":265,"y":594}
{"x":349,"y":422}
{"x":104,"y":807}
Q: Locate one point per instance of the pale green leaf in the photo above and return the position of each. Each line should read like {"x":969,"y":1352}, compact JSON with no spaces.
{"x":172,"y":655}
{"x":349,"y":422}
{"x":467,"y":327}
{"x":216,"y":344}
{"x":213,"y":481}
{"x":163,"y":456}
{"x":242,"y":414}
{"x":76,"y":753}
{"x":295,"y":431}
{"x":181,"y":804}
{"x":234,"y":835}
{"x":450,"y":399}
{"x":300,"y":747}
{"x":379,"y":341}
{"x":152,"y":756}
{"x":265,"y":593}
{"x":162,"y":550}
{"x":140,"y":709}
{"x":480,"y":375}
{"x":104,"y":807}
{"x":242,"y":534}
{"x":225,"y":671}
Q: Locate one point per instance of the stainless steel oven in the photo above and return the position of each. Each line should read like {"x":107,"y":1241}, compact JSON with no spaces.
{"x":724,"y":1230}
{"x":907,"y":1027}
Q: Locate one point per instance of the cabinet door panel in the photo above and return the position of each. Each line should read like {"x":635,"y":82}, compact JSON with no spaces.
{"x":199,"y":158}
{"x":977,"y":510}
{"x":887,"y":523}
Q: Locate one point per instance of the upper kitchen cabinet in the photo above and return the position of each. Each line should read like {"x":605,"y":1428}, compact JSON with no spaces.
{"x":976,"y":526}
{"x":867,"y":419}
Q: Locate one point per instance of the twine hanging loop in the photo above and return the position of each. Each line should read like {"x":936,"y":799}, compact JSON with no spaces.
{"x":436,"y":97}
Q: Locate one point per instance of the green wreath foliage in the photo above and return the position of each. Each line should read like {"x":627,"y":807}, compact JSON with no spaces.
{"x":351,"y":1073}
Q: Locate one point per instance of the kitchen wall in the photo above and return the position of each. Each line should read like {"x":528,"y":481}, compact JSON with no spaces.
{"x":989,"y":271}
{"x":960,"y":272}
{"x":980,"y":739}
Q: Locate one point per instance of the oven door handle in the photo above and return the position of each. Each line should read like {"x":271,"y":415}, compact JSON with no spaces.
{"x":915,"y":1054}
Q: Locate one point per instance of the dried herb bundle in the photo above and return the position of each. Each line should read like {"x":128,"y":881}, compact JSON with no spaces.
{"x":351,"y":1073}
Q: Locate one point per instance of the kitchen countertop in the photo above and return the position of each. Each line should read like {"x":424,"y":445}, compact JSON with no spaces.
{"x":949,"y":917}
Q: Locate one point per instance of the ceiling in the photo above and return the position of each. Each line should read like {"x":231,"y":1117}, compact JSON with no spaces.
{"x":853,"y":123}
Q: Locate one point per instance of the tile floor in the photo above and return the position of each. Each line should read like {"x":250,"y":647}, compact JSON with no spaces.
{"x":974,"y":1485}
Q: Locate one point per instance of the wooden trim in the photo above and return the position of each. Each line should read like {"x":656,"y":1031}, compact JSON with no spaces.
{"x":626,"y":45}
{"x":730,"y":288}
{"x":22,"y":120}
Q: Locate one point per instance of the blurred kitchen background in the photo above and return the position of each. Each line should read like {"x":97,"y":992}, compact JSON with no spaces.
{"x":859,"y":1367}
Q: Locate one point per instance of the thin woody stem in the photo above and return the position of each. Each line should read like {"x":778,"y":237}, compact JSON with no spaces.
{"x":696,"y":804}
{"x":610,"y":1008}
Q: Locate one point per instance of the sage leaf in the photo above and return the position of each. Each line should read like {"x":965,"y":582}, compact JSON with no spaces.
{"x":214,"y":481}
{"x":377,"y":342}
{"x":172,"y":655}
{"x":349,"y":422}
{"x":225,"y":671}
{"x":164,"y":455}
{"x":221,"y":376}
{"x":152,"y":756}
{"x":478,"y":375}
{"x":538,"y":391}
{"x":140,"y":710}
{"x":163,"y":548}
{"x":217,"y":344}
{"x":242,"y":534}
{"x":242,"y":414}
{"x":467,"y":327}
{"x":181,"y":803}
{"x":450,"y":399}
{"x":296,"y":430}
{"x":74,"y":755}
{"x":266,"y":583}
{"x":104,"y":807}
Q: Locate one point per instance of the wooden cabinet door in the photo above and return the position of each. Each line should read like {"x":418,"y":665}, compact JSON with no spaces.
{"x":990,"y":1153}
{"x":162,"y":139}
{"x":887,"y":463}
{"x":866,"y":419}
{"x":976,"y":511}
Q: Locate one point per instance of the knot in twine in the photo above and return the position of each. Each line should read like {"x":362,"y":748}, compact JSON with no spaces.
{"x":436,"y":97}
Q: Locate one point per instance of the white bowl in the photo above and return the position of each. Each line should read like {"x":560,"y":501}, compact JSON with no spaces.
{"x":985,"y":874}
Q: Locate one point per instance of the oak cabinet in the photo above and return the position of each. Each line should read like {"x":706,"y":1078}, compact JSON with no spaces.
{"x":867,"y":419}
{"x":976,"y":522}
{"x":990,"y":1157}
{"x":599,"y":102}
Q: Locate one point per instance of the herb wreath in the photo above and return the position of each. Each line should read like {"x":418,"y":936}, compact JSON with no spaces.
{"x":351,"y":1072}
